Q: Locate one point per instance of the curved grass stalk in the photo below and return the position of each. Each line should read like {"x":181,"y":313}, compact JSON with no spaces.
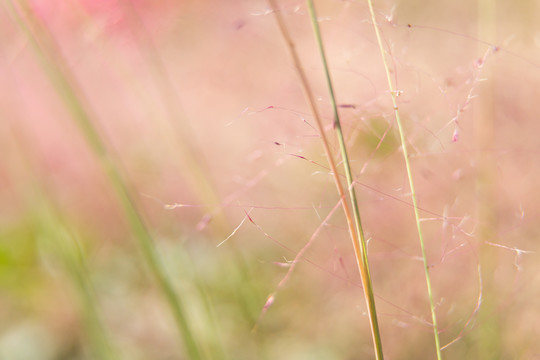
{"x":410,"y":177}
{"x":353,"y":220}
{"x":66,"y":87}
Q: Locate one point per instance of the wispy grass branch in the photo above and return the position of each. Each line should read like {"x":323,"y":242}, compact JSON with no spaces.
{"x":393,"y":94}
{"x":353,"y":219}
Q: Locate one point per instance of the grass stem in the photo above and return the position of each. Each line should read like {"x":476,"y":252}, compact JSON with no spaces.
{"x":55,"y":68}
{"x":353,"y":220}
{"x":410,"y":177}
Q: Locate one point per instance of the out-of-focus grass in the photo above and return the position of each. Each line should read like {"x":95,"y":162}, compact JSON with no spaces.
{"x":54,"y":66}
{"x":252,"y":136}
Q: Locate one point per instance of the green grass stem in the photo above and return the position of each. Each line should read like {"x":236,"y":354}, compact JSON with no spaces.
{"x":50,"y":59}
{"x":353,"y":221}
{"x":410,"y":177}
{"x":359,"y":242}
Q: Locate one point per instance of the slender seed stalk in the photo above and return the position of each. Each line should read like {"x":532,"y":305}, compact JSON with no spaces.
{"x":410,"y":177}
{"x":353,"y":221}
{"x":55,"y":68}
{"x":360,"y":241}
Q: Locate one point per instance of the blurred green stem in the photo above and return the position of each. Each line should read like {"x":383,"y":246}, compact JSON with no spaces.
{"x":54,"y":66}
{"x":55,"y":236}
{"x":67,"y":248}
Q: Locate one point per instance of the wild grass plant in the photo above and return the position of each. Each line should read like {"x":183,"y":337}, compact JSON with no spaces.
{"x":168,"y":177}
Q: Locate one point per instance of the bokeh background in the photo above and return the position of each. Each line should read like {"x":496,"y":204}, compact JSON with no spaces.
{"x":202,"y":116}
